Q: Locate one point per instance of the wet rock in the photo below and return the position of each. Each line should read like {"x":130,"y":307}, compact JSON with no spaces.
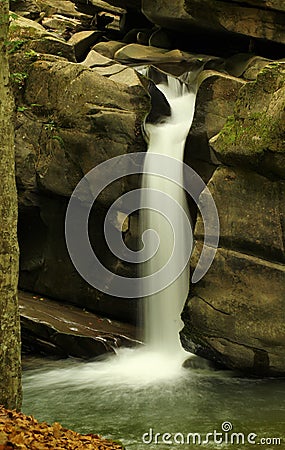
{"x":198,"y":363}
{"x":53,"y":328}
{"x":160,"y":108}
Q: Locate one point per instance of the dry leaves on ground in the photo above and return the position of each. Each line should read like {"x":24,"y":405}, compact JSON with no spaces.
{"x":18,"y":431}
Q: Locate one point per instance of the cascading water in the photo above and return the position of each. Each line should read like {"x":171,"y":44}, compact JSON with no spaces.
{"x":162,"y":310}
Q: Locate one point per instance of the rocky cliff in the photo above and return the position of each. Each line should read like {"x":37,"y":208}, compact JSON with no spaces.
{"x":236,"y":313}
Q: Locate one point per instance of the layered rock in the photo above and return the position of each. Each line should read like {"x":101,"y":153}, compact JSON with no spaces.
{"x":235,"y":314}
{"x":257,"y":19}
{"x":53,"y":328}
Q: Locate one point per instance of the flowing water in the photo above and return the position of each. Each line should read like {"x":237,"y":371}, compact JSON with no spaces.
{"x":162,"y":310}
{"x":142,"y":392}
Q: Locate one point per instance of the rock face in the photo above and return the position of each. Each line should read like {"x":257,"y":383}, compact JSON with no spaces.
{"x":254,"y":136}
{"x":235,"y":314}
{"x":257,"y":19}
{"x":69,"y":119}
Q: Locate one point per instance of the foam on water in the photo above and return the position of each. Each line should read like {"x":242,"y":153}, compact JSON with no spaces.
{"x":130,"y":368}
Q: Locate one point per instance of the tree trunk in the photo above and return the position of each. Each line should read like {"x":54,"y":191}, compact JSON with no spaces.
{"x":10,"y":362}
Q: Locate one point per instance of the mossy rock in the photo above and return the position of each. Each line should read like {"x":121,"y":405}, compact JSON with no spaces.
{"x":255,"y":135}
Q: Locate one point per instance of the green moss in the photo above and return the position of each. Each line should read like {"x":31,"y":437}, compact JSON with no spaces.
{"x":252,"y":134}
{"x":256,"y":125}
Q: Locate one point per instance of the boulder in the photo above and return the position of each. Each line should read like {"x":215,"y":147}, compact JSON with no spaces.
{"x":245,"y":65}
{"x":277,"y":5}
{"x":26,"y":8}
{"x":26,"y":28}
{"x":241,"y":18}
{"x":113,"y":69}
{"x":108,"y":48}
{"x":127,"y":76}
{"x":235,"y":315}
{"x":29,"y":36}
{"x":160,"y":38}
{"x":251,"y":222}
{"x":254,"y":67}
{"x":141,"y":53}
{"x":83,"y":41}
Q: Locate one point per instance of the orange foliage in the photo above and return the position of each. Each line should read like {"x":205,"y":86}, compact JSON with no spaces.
{"x":21,"y":432}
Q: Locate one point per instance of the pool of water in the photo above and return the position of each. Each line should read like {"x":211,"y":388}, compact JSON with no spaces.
{"x":137,"y":401}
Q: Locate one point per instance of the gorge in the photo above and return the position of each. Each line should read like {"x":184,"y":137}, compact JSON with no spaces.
{"x":80,"y":102}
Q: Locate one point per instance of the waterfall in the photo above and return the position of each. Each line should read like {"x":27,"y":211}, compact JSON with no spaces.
{"x":162,"y":310}
{"x":166,"y":236}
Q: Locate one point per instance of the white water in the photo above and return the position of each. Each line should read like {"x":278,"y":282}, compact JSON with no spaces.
{"x":162,"y":310}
